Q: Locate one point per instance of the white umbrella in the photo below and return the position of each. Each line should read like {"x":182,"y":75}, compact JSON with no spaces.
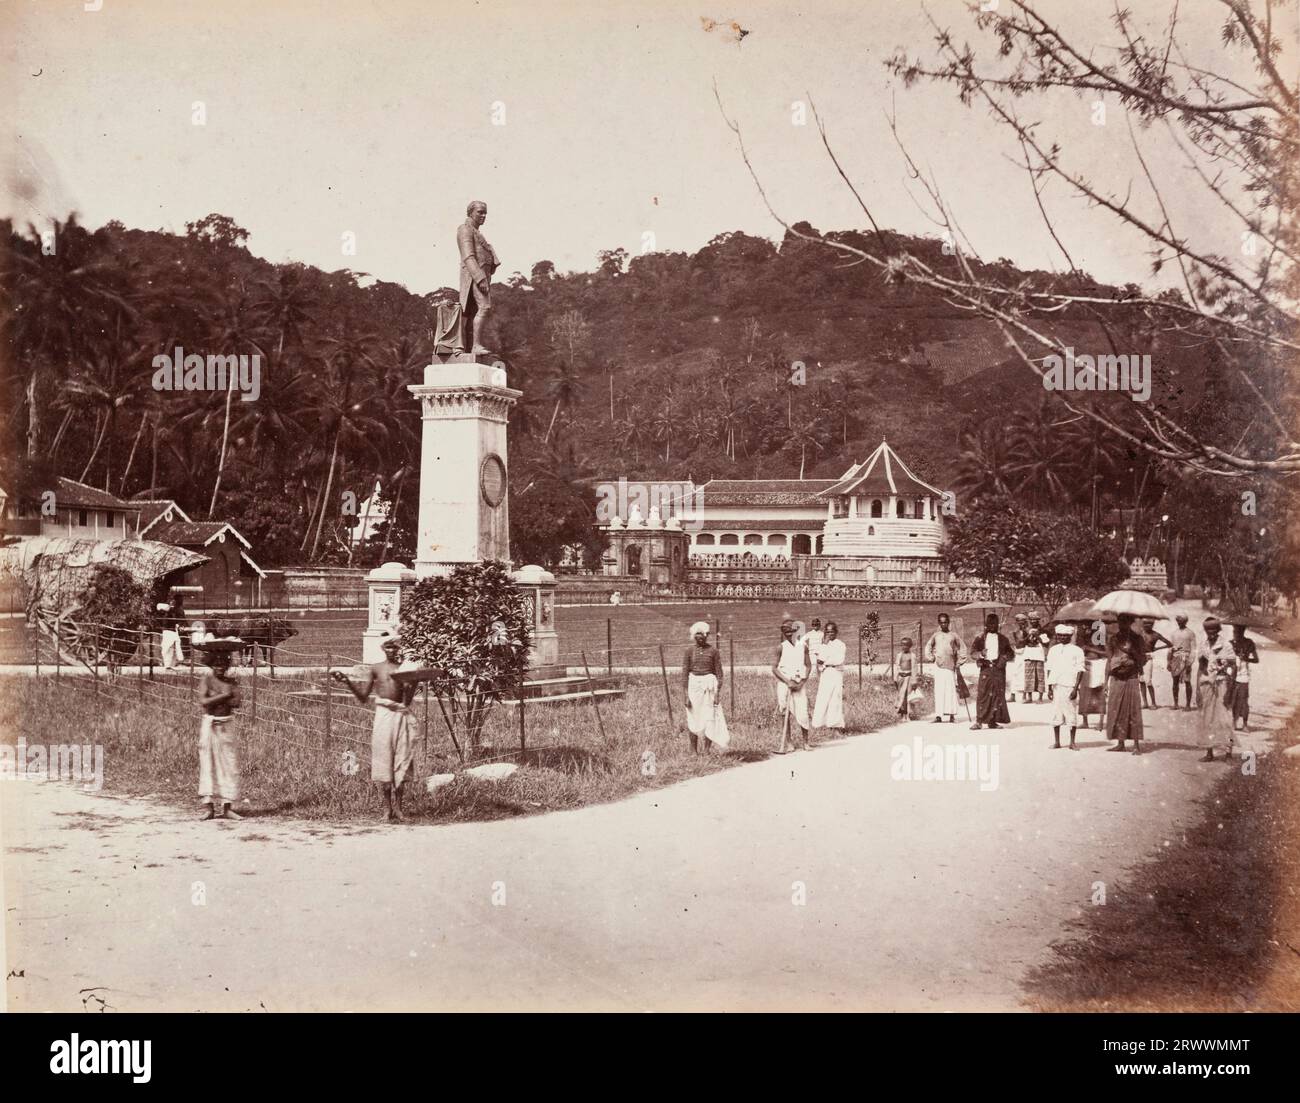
{"x":1138,"y":603}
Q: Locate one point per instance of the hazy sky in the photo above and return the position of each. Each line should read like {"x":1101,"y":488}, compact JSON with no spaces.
{"x":377,"y":118}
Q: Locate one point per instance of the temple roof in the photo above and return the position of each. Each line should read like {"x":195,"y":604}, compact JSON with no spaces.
{"x":764,"y":492}
{"x":882,"y":474}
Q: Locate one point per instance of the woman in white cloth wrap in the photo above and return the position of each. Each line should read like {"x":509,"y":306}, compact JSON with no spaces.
{"x":702,"y":682}
{"x":828,"y":712}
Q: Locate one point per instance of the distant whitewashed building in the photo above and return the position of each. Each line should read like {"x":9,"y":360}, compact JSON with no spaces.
{"x":878,"y":523}
{"x":371,"y":513}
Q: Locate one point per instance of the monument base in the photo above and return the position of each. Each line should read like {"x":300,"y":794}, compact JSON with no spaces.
{"x":386,"y":585}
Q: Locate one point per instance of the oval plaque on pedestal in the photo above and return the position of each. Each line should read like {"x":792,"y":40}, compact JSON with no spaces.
{"x":492,"y":480}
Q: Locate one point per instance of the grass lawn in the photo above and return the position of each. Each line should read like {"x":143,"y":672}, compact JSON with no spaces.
{"x":149,"y":731}
{"x":638,"y":630}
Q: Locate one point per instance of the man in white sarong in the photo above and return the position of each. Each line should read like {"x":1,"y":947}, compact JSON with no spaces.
{"x":828,"y":712}
{"x":170,"y":638}
{"x":947,"y":652}
{"x":1064,"y":670}
{"x":702,"y":682}
{"x":392,"y":749}
{"x":790,"y":669}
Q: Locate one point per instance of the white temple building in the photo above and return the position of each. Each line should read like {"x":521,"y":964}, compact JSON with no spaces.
{"x":878,"y":522}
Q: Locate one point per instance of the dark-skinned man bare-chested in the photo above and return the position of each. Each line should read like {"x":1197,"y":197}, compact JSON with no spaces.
{"x":391,"y":745}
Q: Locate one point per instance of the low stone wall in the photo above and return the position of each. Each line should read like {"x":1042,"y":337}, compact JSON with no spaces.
{"x":596,"y":589}
{"x":321,"y":588}
{"x":938,"y":594}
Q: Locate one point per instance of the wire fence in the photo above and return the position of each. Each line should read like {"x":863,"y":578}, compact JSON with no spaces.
{"x":290,"y":699}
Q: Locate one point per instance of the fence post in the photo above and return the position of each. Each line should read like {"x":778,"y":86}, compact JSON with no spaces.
{"x":595,"y":704}
{"x":329,"y":697}
{"x":891,"y":651}
{"x":663,"y":669}
{"x":731,"y":647}
{"x":254,"y":683}
{"x":860,"y":628}
{"x":38,"y":652}
{"x":609,"y":644}
{"x":920,"y":645}
{"x":139,"y":665}
{"x":97,"y":660}
{"x":58,"y":654}
{"x":426,"y":719}
{"x":523,"y":731}
{"x":148,"y":643}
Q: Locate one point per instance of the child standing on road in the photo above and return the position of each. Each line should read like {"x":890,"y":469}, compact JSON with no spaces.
{"x":905,"y":676}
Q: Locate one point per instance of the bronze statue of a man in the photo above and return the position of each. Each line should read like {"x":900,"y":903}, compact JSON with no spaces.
{"x":478,"y":260}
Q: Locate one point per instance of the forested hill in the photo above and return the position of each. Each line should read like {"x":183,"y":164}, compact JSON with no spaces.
{"x":700,"y":351}
{"x":661,"y":365}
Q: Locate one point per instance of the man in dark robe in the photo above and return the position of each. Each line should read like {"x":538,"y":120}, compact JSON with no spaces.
{"x":991,"y":651}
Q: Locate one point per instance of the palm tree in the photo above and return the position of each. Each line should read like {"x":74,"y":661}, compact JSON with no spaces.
{"x":982,"y":460}
{"x":566,"y":388}
{"x":286,"y":306}
{"x":237,"y":336}
{"x":58,"y":304}
{"x":630,"y":433}
{"x":807,"y":436}
{"x":345,"y":411}
{"x":663,"y":425}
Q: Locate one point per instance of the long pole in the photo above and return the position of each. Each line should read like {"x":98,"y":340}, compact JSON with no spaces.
{"x":731,"y":647}
{"x":523,"y":731}
{"x":329,"y":697}
{"x":254,"y":683}
{"x":595,"y":703}
{"x":920,"y":647}
{"x":860,"y":627}
{"x":891,"y":651}
{"x":609,"y":645}
{"x":663,"y":668}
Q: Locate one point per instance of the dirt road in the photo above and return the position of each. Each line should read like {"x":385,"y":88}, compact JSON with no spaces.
{"x":916,"y":894}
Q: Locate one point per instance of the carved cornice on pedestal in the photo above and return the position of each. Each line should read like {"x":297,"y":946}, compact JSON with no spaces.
{"x":449,"y":403}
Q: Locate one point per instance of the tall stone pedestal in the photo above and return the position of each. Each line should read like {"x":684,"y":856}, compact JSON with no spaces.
{"x":385,"y":606}
{"x":463,"y":473}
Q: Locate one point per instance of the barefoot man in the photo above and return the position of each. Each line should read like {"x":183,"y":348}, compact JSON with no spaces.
{"x":391,"y":746}
{"x":790,"y":669}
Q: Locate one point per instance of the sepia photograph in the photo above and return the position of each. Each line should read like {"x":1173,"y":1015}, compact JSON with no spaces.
{"x":574,"y":506}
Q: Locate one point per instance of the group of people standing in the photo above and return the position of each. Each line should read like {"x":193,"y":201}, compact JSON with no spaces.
{"x":392,"y":750}
{"x":1113,"y":675}
{"x":803,"y":667}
